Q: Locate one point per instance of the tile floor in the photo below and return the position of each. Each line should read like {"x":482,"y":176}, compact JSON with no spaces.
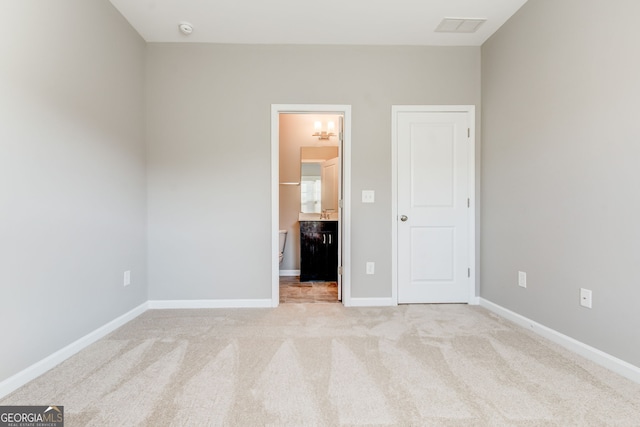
{"x":294,"y":291}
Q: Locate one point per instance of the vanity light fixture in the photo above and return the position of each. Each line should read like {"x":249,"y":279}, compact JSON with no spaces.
{"x":324,"y":134}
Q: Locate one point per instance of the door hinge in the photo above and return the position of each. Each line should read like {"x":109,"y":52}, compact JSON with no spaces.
{"x":468,"y":272}
{"x":340,"y":271}
{"x":340,"y":203}
{"x":341,"y":136}
{"x":468,"y":132}
{"x":468,"y":202}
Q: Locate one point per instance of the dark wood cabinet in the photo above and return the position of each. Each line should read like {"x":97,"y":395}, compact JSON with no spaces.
{"x":319,"y":251}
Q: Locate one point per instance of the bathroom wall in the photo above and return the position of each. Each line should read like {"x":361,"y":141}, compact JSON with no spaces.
{"x":295,"y":132}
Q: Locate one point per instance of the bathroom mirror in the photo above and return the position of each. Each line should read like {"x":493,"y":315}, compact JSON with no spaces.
{"x":319,"y":168}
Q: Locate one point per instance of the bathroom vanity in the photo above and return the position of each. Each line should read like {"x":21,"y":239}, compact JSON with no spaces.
{"x":318,"y":250}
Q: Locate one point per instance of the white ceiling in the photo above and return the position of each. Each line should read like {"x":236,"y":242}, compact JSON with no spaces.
{"x":360,"y":22}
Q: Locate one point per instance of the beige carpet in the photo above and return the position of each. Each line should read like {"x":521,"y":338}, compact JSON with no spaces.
{"x":324,"y":365}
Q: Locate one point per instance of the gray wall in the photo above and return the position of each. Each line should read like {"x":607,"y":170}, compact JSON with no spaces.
{"x":208,"y":118}
{"x":72,"y":175}
{"x":561,"y":180}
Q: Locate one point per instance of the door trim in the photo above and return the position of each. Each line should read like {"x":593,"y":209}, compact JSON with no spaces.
{"x":345,"y":110}
{"x":471,"y":116}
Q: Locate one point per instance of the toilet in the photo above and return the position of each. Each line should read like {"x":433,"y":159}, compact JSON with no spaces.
{"x":283,"y":240}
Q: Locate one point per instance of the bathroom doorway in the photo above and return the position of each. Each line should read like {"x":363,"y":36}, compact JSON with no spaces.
{"x":310,"y":203}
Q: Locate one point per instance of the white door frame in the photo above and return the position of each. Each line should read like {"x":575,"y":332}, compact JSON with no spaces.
{"x":345,"y":110}
{"x":470,"y":110}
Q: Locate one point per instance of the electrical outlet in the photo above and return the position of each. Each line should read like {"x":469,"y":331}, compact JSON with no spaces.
{"x":522,"y":279}
{"x":371,"y":267}
{"x":127,"y":278}
{"x":585,"y":297}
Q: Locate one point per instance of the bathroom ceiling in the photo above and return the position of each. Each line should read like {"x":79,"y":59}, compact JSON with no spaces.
{"x":342,"y":22}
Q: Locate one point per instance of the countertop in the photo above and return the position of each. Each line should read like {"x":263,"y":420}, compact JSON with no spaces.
{"x":333,"y":216}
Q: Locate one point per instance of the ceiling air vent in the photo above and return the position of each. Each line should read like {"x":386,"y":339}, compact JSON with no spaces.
{"x":460,"y":25}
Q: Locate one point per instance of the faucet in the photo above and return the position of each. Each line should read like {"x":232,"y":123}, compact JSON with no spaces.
{"x":326,"y":214}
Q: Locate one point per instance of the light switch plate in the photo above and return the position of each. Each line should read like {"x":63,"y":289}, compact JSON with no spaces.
{"x":368,"y":196}
{"x":127,"y":278}
{"x":585,"y":297}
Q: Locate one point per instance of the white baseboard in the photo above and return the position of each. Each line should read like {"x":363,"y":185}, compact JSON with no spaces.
{"x":21,"y":378}
{"x":371,"y":302}
{"x":289,"y":273}
{"x":606,"y":360}
{"x":386,"y":302}
{"x":210,"y":303}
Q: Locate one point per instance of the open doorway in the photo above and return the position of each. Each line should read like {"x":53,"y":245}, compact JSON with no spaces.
{"x":310,"y":209}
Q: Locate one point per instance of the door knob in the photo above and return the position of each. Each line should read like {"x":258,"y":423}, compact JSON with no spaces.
{"x":403,"y":218}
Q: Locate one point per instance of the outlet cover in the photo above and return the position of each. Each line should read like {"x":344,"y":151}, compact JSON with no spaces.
{"x":585,"y":297}
{"x":371,"y":267}
{"x":522,"y":279}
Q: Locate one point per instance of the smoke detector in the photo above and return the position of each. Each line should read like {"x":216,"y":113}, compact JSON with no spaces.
{"x":185,"y":28}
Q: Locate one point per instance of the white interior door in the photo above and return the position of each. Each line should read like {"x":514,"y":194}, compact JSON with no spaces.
{"x":330,"y":171}
{"x":341,"y":212}
{"x":433,"y":166}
